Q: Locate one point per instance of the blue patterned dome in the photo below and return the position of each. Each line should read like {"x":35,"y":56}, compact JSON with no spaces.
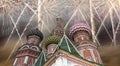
{"x":35,"y":32}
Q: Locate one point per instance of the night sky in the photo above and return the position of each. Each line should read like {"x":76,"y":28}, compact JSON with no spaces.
{"x":19,"y":17}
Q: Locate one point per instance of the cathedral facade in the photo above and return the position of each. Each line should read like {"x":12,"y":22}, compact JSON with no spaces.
{"x":60,"y":49}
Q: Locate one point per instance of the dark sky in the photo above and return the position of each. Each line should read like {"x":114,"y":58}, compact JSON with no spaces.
{"x":24,"y":16}
{"x":24,"y":12}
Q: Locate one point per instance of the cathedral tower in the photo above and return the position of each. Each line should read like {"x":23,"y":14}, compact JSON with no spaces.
{"x":51,"y":45}
{"x":59,"y":27}
{"x":52,"y":41}
{"x":80,"y":34}
{"x":29,"y":52}
{"x":62,"y":52}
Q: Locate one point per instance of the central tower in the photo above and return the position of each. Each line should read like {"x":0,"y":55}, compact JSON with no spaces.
{"x":52,"y":41}
{"x":80,"y":33}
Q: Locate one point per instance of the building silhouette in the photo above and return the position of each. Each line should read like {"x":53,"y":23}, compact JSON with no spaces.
{"x":59,"y":49}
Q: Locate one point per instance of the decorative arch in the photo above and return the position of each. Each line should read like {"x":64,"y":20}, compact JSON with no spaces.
{"x":24,"y":47}
{"x":35,"y":48}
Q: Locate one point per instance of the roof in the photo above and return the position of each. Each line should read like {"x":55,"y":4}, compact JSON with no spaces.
{"x":41,"y":60}
{"x":79,"y":26}
{"x":69,"y":57}
{"x":66,"y":45}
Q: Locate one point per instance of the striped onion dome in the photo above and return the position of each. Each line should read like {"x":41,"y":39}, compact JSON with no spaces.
{"x":52,"y":40}
{"x":78,"y":27}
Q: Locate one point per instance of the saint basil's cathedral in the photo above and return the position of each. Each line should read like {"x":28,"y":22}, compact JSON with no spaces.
{"x":60,"y":49}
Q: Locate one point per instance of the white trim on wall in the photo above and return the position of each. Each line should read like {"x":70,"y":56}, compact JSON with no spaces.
{"x":15,"y":61}
{"x":26,"y":60}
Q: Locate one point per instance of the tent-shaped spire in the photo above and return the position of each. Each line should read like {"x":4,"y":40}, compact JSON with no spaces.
{"x":41,"y":60}
{"x":66,"y":45}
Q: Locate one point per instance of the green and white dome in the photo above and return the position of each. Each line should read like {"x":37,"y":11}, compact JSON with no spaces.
{"x":52,"y":40}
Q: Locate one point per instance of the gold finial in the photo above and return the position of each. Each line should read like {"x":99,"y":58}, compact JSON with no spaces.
{"x":58,"y":18}
{"x":64,"y":31}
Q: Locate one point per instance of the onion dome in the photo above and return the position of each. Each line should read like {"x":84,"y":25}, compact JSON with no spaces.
{"x":79,"y":26}
{"x":35,"y":32}
{"x":52,"y":40}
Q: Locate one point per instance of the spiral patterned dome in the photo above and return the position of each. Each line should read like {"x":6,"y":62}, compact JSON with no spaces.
{"x":35,"y":32}
{"x":79,"y":26}
{"x":52,"y":40}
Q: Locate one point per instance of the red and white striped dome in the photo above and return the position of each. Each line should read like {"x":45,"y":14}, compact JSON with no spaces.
{"x":79,"y":26}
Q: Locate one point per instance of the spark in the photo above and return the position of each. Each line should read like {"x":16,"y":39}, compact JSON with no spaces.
{"x":70,"y":18}
{"x":83,"y":17}
{"x":113,"y":30}
{"x":92,"y":21}
{"x":75,"y":11}
{"x":40,"y":3}
{"x":15,"y":26}
{"x":49,"y":9}
{"x":116,"y":14}
{"x":102,"y":24}
{"x":21,"y":36}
